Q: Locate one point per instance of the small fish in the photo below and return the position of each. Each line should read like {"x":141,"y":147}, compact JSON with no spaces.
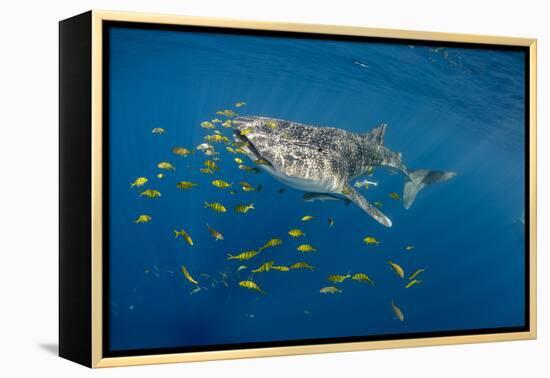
{"x":184,"y":235}
{"x":261,"y":162}
{"x":336,"y":278}
{"x":245,"y":132}
{"x":182,"y":151}
{"x":204,"y":147}
{"x":301,"y":265}
{"x":346,"y":191}
{"x":143,"y":219}
{"x":296,"y":233}
{"x":281,"y":191}
{"x":230,"y":149}
{"x":361,"y":277}
{"x":210,"y":164}
{"x":216,"y":138}
{"x":238,"y":160}
{"x":227,"y":112}
{"x":160,"y":175}
{"x":246,"y":168}
{"x":329,"y":290}
{"x":243,"y":209}
{"x":370,"y":240}
{"x":397,"y":269}
{"x":409,"y":248}
{"x":140,"y":181}
{"x":364,"y":184}
{"x":243,"y":256}
{"x":270,"y":243}
{"x":259,"y":188}
{"x":227,"y":124}
{"x":206,"y":171}
{"x":232,"y":192}
{"x":207,"y":125}
{"x":306,"y":218}
{"x":307,"y":312}
{"x":378,"y":204}
{"x":264,"y":267}
{"x":166,"y":165}
{"x":217,"y":235}
{"x":242,"y":267}
{"x":306,"y":248}
{"x":218,"y":207}
{"x":395,"y":196}
{"x":216,"y":120}
{"x":412,"y":283}
{"x":281,"y":268}
{"x":397,"y":311}
{"x":188,"y":276}
{"x":158,"y":131}
{"x":312,"y":197}
{"x":416,"y":273}
{"x":240,"y":151}
{"x":150,"y":193}
{"x":240,"y":104}
{"x":251,"y":285}
{"x":221,"y":184}
{"x":246,"y":186}
{"x":272,"y":124}
{"x":363,"y":65}
{"x":185,"y":185}
{"x":330,"y":222}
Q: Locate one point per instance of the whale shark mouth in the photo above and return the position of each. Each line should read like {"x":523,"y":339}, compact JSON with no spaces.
{"x":249,"y":147}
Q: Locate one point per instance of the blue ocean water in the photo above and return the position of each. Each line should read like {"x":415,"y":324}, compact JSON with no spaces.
{"x":454,"y":109}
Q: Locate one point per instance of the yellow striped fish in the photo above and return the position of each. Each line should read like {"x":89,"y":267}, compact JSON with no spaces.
{"x":218,"y":207}
{"x":416,"y":273}
{"x":243,"y":209}
{"x":306,"y":218}
{"x":329,"y":290}
{"x":281,"y":268}
{"x":361,"y":277}
{"x":412,"y":283}
{"x":336,"y":278}
{"x":188,"y":276}
{"x":143,"y":219}
{"x":184,"y":235}
{"x":295,"y":233}
{"x":271,"y":243}
{"x":185,"y":185}
{"x":264,"y":267}
{"x":221,"y":184}
{"x":251,"y":285}
{"x":397,"y":311}
{"x":150,"y":193}
{"x":306,"y":248}
{"x":397,"y":269}
{"x":166,"y":165}
{"x":301,"y":265}
{"x":243,"y":256}
{"x":140,"y":181}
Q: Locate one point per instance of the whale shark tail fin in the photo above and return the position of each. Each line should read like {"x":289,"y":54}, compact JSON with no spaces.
{"x":417,"y":180}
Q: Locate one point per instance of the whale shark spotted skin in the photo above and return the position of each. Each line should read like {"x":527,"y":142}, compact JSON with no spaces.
{"x":324,"y":159}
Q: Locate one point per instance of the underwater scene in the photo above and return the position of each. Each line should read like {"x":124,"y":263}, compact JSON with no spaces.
{"x":275,"y":189}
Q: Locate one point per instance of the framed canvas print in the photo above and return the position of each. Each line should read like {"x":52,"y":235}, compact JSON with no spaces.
{"x":237,"y":189}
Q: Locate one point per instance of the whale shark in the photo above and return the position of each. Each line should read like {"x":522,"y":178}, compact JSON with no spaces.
{"x":318,"y":159}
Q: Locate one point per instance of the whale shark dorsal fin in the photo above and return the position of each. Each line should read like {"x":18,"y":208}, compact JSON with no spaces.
{"x":360,"y":201}
{"x":376,"y":135}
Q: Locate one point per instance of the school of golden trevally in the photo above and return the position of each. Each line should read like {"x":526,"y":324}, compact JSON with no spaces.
{"x":213,"y":151}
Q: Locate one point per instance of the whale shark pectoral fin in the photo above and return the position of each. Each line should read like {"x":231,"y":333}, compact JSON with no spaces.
{"x":360,"y":201}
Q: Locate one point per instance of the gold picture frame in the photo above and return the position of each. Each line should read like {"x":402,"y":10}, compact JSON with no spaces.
{"x":92,"y":24}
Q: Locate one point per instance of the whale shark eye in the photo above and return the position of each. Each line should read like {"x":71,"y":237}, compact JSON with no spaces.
{"x":320,"y":149}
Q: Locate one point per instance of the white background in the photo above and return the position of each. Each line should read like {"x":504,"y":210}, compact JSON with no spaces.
{"x":29,"y":188}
